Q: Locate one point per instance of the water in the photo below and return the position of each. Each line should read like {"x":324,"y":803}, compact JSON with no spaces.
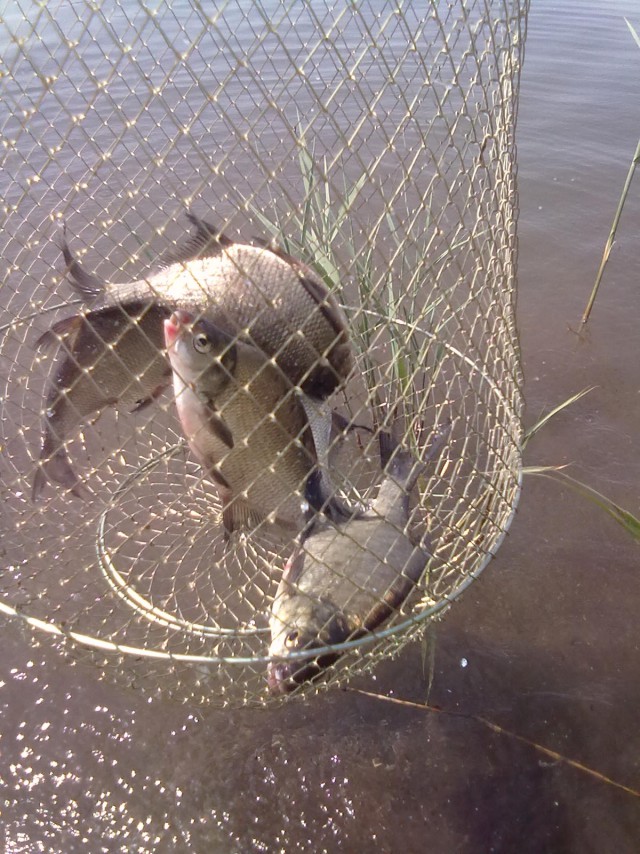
{"x":549,"y":634}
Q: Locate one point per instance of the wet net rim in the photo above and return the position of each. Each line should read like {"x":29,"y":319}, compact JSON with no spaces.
{"x":91,"y":642}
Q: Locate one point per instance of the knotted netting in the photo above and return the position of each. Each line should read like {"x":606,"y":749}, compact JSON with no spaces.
{"x":363,"y":153}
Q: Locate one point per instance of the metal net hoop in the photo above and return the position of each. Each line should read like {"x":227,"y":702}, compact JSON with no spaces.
{"x":375,"y":143}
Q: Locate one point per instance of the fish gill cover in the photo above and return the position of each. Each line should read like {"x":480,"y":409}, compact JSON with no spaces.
{"x":261,"y":391}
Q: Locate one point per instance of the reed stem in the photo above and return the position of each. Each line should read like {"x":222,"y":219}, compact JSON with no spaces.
{"x":612,"y":234}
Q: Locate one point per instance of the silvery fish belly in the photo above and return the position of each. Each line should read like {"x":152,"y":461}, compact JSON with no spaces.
{"x":347,"y":579}
{"x":244,"y":423}
{"x":271,"y":299}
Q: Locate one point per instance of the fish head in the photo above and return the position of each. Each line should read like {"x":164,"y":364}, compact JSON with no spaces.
{"x":299,"y":623}
{"x":199,"y":352}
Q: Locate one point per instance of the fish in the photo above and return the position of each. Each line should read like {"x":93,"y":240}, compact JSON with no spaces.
{"x":113,"y":352}
{"x":247,"y":426}
{"x":258,"y":292}
{"x":346,"y":579}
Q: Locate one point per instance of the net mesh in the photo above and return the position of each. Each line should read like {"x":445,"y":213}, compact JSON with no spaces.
{"x":375,"y":142}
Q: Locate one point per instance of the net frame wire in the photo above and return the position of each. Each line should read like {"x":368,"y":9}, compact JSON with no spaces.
{"x":469,"y":203}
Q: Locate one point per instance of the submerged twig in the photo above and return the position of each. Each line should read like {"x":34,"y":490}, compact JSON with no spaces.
{"x":502,"y":731}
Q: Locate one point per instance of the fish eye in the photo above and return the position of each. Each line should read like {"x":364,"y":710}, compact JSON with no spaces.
{"x":201,"y":343}
{"x":292,"y":637}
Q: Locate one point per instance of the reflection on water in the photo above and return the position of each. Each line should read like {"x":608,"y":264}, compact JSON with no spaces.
{"x":549,"y":634}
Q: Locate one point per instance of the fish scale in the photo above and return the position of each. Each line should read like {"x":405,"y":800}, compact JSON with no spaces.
{"x":252,"y":291}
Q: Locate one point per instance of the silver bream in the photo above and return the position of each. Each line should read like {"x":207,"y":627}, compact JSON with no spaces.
{"x":247,"y":426}
{"x":347,"y":579}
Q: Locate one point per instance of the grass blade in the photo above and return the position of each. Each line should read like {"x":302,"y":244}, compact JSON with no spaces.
{"x":616,"y":219}
{"x":623,"y":517}
{"x":540,"y":424}
{"x":612,"y":234}
{"x":633,"y":32}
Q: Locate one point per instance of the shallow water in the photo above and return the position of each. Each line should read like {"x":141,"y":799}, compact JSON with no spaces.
{"x":545,"y":645}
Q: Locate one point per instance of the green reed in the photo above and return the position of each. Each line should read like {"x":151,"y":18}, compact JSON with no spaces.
{"x":325,"y":226}
{"x":627,"y":520}
{"x":616,"y":219}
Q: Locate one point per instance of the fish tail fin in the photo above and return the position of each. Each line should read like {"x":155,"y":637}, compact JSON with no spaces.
{"x":402,"y":465}
{"x":81,"y":281}
{"x":328,"y":430}
{"x":237,"y":513}
{"x":398,"y":463}
{"x":57,"y":469}
{"x":320,"y":494}
{"x":63,"y":330}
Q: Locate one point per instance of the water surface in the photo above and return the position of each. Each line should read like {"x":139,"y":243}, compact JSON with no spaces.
{"x":545,"y":644}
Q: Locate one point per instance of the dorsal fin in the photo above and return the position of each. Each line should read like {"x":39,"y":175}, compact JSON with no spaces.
{"x":276,"y":249}
{"x":207,"y":242}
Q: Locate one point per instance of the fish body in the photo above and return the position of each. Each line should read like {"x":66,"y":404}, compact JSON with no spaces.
{"x":245,"y":424}
{"x":113,"y":351}
{"x":345,"y":580}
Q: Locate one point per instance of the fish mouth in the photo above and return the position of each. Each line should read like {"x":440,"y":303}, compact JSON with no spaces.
{"x":285,"y":673}
{"x":174,"y":325}
{"x":171,"y":330}
{"x":285,"y":676}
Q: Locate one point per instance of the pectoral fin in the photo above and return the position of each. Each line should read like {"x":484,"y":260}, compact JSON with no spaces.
{"x":220,"y":428}
{"x":65,"y":330}
{"x":147,"y":401}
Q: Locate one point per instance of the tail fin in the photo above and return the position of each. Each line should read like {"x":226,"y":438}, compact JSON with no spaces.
{"x":84,"y":283}
{"x":401,"y":464}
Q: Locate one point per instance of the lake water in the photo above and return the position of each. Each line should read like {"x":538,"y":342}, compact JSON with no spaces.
{"x":545,"y":644}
